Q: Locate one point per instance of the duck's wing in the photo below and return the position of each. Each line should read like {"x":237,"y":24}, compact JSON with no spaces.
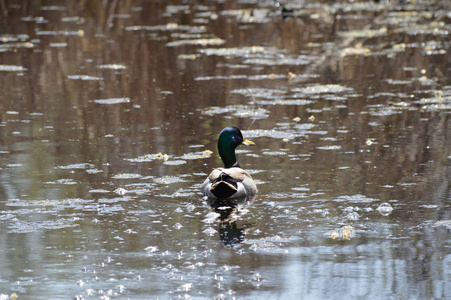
{"x":215,"y":174}
{"x":242,"y":176}
{"x":206,"y":185}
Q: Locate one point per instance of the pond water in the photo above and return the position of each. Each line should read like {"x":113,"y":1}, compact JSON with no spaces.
{"x":109,"y":118}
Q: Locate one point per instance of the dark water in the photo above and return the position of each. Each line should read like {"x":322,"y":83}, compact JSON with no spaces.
{"x":108,"y":111}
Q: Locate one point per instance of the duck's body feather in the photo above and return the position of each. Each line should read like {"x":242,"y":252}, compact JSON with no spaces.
{"x":228,"y":183}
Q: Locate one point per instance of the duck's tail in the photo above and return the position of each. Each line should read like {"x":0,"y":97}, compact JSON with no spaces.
{"x":224,"y":186}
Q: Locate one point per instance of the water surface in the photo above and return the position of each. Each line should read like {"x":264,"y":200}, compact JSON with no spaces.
{"x":109,"y":116}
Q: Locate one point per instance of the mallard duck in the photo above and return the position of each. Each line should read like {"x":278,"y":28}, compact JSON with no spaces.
{"x":230,"y":181}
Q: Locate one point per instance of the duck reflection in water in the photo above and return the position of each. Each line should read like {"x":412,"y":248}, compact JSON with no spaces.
{"x":228,"y":190}
{"x":231,"y":227}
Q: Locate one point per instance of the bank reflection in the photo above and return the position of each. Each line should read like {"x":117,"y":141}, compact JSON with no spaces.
{"x":232,"y":225}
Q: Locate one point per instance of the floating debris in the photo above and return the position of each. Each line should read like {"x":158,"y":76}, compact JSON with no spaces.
{"x":77,"y":166}
{"x":197,"y":42}
{"x":173,"y":9}
{"x":168,"y":27}
{"x":277,"y":134}
{"x":196,"y":155}
{"x":357,"y":50}
{"x":174,"y":162}
{"x":112,"y":101}
{"x":178,"y":226}
{"x":323,"y":89}
{"x":221,"y":77}
{"x":210,"y":231}
{"x":365,"y":33}
{"x":112,"y":67}
{"x":7,"y":38}
{"x":150,"y":157}
{"x":358,"y":198}
{"x":13,"y":46}
{"x":54,"y":33}
{"x":344,"y":233}
{"x":84,"y":77}
{"x":281,"y":60}
{"x":275,"y":153}
{"x":187,"y":56}
{"x":297,"y":102}
{"x":12,"y":68}
{"x":126,"y":176}
{"x":353,"y":216}
{"x":151,"y":249}
{"x":260,"y":93}
{"x":331,"y":147}
{"x":444,"y":223}
{"x":164,"y":157}
{"x":120,"y":191}
{"x":185,"y":287}
{"x":168,"y":180}
{"x":58,"y":45}
{"x":242,"y":111}
{"x":234,"y":52}
{"x":369,"y":142}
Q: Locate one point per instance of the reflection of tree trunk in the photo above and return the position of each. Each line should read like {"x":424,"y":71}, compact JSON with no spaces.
{"x":7,"y":190}
{"x":3,"y":8}
{"x":331,"y":56}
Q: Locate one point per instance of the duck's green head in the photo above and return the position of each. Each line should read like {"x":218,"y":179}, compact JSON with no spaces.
{"x":230,"y":138}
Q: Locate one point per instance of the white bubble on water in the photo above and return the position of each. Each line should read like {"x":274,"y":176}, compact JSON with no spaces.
{"x":385,"y":209}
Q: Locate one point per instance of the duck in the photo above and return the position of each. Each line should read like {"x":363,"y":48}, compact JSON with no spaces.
{"x":231,"y":181}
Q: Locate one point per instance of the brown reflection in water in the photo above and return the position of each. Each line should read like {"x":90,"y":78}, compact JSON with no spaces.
{"x":165,"y":96}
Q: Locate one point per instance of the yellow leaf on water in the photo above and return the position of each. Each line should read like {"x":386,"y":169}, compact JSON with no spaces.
{"x":207,"y":153}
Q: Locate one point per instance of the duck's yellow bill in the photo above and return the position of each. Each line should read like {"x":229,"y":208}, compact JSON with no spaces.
{"x":248,"y":142}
